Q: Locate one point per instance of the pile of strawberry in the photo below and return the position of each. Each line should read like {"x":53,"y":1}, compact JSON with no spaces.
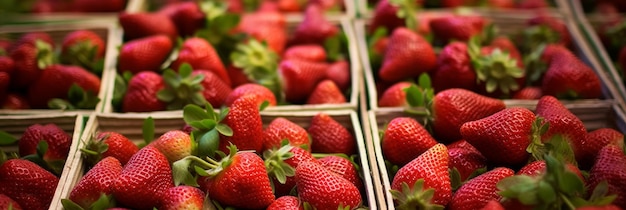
{"x":28,"y":179}
{"x":493,"y":4}
{"x":64,"y":6}
{"x":611,"y":28}
{"x":284,"y":6}
{"x":226,"y":159}
{"x":193,"y":53}
{"x":470,"y":151}
{"x":35,"y":73}
{"x":465,"y":51}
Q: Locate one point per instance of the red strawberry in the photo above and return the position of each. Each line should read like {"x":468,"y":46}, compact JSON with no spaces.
{"x":286,"y":202}
{"x":562,"y":122}
{"x":144,"y":54}
{"x":58,"y":141}
{"x":568,"y":77}
{"x":610,"y":166}
{"x":244,"y":119}
{"x":6,"y":64}
{"x":314,"y":29}
{"x":183,"y":197}
{"x":142,"y":91}
{"x":55,"y":82}
{"x":404,"y":140}
{"x":237,"y":76}
{"x":502,"y":137}
{"x":28,"y":184}
{"x":15,"y":101}
{"x":268,"y":26}
{"x":505,"y":44}
{"x":215,"y":89}
{"x":280,"y":129}
{"x":299,"y":78}
{"x":563,"y":36}
{"x":386,"y":16}
{"x":174,"y":144}
{"x":528,"y":93}
{"x":82,"y":47}
{"x":31,"y":39}
{"x":595,"y":140}
{"x":326,"y":92}
{"x":339,"y":72}
{"x":476,"y":192}
{"x":144,"y":24}
{"x":509,"y":76}
{"x":454,"y":64}
{"x":200,"y":54}
{"x":537,"y":168}
{"x":407,"y":55}
{"x":8,"y":203}
{"x":293,"y":157}
{"x":146,"y":177}
{"x":394,"y":96}
{"x":308,"y":52}
{"x":344,"y":168}
{"x":330,"y":136}
{"x":97,"y":181}
{"x":432,"y":167}
{"x":289,"y":5}
{"x":465,"y":158}
{"x":323,"y":189}
{"x":186,"y":16}
{"x":263,"y":92}
{"x":457,"y":27}
{"x":99,"y":6}
{"x":493,"y":205}
{"x":29,"y":60}
{"x":109,"y":144}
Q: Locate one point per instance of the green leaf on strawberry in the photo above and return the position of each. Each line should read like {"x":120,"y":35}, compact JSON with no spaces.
{"x":415,"y":197}
{"x":182,"y":88}
{"x":184,"y":170}
{"x":376,"y":55}
{"x":218,"y":27}
{"x":533,"y":37}
{"x":7,"y":139}
{"x":498,"y":70}
{"x":406,"y":11}
{"x":45,"y":54}
{"x":275,"y":163}
{"x":54,"y":166}
{"x":148,"y":130}
{"x":207,"y":126}
{"x":260,"y":64}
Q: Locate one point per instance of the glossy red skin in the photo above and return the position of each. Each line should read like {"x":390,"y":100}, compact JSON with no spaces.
{"x":264,"y":94}
{"x":268,"y":26}
{"x":478,"y":191}
{"x":563,"y":122}
{"x":6,"y":64}
{"x":566,"y":73}
{"x":144,"y":54}
{"x":344,"y":168}
{"x":215,"y":89}
{"x":597,"y":139}
{"x":55,"y":82}
{"x":174,"y":144}
{"x":537,"y":168}
{"x":183,"y":197}
{"x":308,"y":52}
{"x":79,"y":36}
{"x":385,"y":16}
{"x":28,"y":184}
{"x":394,"y":96}
{"x":58,"y":141}
{"x":30,"y":39}
{"x":142,"y":91}
{"x":281,"y":128}
{"x":465,"y":158}
{"x":457,"y":27}
{"x":186,"y":16}
{"x":25,"y":63}
{"x":120,"y":147}
{"x":339,"y":72}
{"x":144,"y":24}
{"x":6,"y":202}
{"x":404,"y":140}
{"x":314,"y":29}
{"x":454,"y":64}
{"x":299,"y":156}
{"x":299,"y":78}
{"x":15,"y":102}
{"x":610,"y":166}
{"x":286,"y":202}
{"x":200,"y":54}
{"x":326,"y":92}
{"x":96,"y":181}
{"x":244,"y":119}
{"x":407,"y":56}
{"x":329,"y":136}
{"x":324,"y":189}
{"x":528,"y":93}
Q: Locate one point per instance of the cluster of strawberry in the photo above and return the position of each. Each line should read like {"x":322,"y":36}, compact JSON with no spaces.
{"x":222,"y":50}
{"x":611,"y":28}
{"x":33,"y":74}
{"x":226,"y":159}
{"x":65,"y":6}
{"x":30,"y":180}
{"x":472,"y":152}
{"x":494,"y":4}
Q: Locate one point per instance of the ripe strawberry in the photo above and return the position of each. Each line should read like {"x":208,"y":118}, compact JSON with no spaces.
{"x":498,"y":72}
{"x":289,"y":5}
{"x":6,"y":64}
{"x":576,"y":81}
{"x":344,"y":168}
{"x":457,"y":27}
{"x":280,"y":129}
{"x":142,"y":91}
{"x":200,"y":54}
{"x":394,"y":96}
{"x":465,"y":158}
{"x":326,"y":92}
{"x":286,"y":202}
{"x":502,"y":137}
{"x":82,"y":47}
{"x":97,"y":181}
{"x":407,"y":55}
{"x":215,"y":89}
{"x":284,"y":183}
{"x":506,"y":45}
{"x":29,"y":60}
{"x":263,"y":92}
{"x":562,"y":35}
{"x":595,"y":140}
{"x":31,"y":39}
{"x":144,"y":54}
{"x":144,"y":24}
{"x":314,"y":29}
{"x":58,"y":141}
{"x":174,"y":144}
{"x":562,"y":122}
{"x":454,"y":64}
{"x":537,"y":168}
{"x":186,"y":16}
{"x":404,"y":140}
{"x":109,"y":144}
{"x":476,"y":192}
{"x":385,"y":15}
{"x":237,"y":76}
{"x":339,"y":72}
{"x":323,"y":189}
{"x":268,"y":26}
{"x":183,"y":197}
{"x":15,"y":101}
{"x":28,"y":184}
{"x":330,"y":136}
{"x":146,"y":177}
{"x":528,"y":93}
{"x":432,"y":167}
{"x":493,"y":205}
{"x":244,"y":119}
{"x":610,"y":166}
{"x":307,"y":52}
{"x":56,"y":81}
{"x":299,"y":78}
{"x":99,"y":6}
{"x":8,"y":203}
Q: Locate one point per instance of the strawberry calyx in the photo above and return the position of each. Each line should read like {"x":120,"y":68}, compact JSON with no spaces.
{"x":93,"y":149}
{"x":534,"y":36}
{"x":77,"y":98}
{"x":536,"y":147}
{"x":259,"y":63}
{"x":498,"y":70}
{"x":374,"y":51}
{"x":84,"y":53}
{"x":181,"y":169}
{"x":207,"y":126}
{"x":336,"y":46}
{"x":120,"y":87}
{"x":182,"y":88}
{"x":406,"y":11}
{"x":218,"y":26}
{"x":557,"y":146}
{"x":104,"y":202}
{"x":415,"y":197}
{"x":455,"y":177}
{"x":45,"y":54}
{"x":420,"y":99}
{"x":275,"y":163}
{"x":54,"y":166}
{"x":535,"y":66}
{"x":7,"y":139}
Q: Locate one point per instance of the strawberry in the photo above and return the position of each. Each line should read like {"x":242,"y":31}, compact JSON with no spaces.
{"x":404,"y":140}
{"x":576,"y":81}
{"x":323,"y":189}
{"x":537,"y":168}
{"x":502,"y":137}
{"x":144,"y":54}
{"x":497,"y":71}
{"x":15,"y":101}
{"x":560,"y":33}
{"x":58,"y":141}
{"x":280,"y":129}
{"x":289,"y":5}
{"x":308,"y":52}
{"x":200,"y":54}
{"x":493,"y":205}
{"x":31,"y":186}
{"x":528,"y":93}
{"x":188,"y":87}
{"x":286,"y":202}
{"x":174,"y":144}
{"x":314,"y":29}
{"x":330,"y":136}
{"x":394,"y":96}
{"x":326,"y":92}
{"x":299,"y":78}
{"x":506,"y":45}
{"x":144,"y":24}
{"x":263,"y":92}
{"x":344,"y":168}
{"x":465,"y":158}
{"x":457,"y":27}
{"x":142,"y":91}
{"x":146,"y":177}
{"x":595,"y":140}
{"x":610,"y":166}
{"x":237,"y":76}
{"x":215,"y":89}
{"x":183,"y":197}
{"x":56,"y":81}
{"x":339,"y":72}
{"x":186,"y":16}
{"x":476,"y":192}
{"x":268,"y":26}
{"x":96,"y":182}
{"x":99,"y":6}
{"x":8,"y":203}
{"x":385,"y":15}
{"x":6,"y":64}
{"x":244,"y":119}
{"x":31,"y":39}
{"x":29,"y":59}
{"x":280,"y":161}
{"x":454,"y":64}
{"x":430,"y":169}
{"x":84,"y":48}
{"x":109,"y":144}
{"x":407,"y":55}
